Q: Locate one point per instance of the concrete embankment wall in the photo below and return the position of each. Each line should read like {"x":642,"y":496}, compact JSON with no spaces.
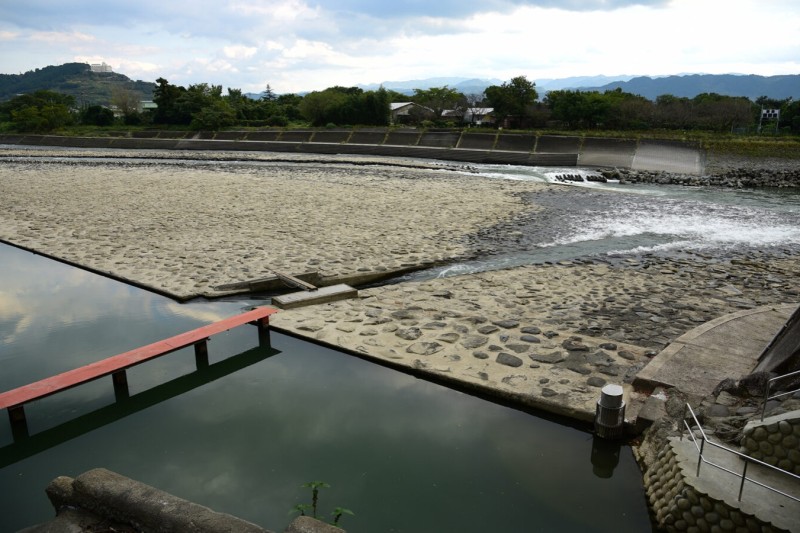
{"x":775,"y":441}
{"x":495,"y":148}
{"x":680,"y":503}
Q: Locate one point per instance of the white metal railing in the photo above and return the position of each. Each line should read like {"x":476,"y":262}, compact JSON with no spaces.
{"x":768,"y":389}
{"x":746,"y":458}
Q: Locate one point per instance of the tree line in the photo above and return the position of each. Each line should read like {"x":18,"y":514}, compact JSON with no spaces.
{"x":514,"y":104}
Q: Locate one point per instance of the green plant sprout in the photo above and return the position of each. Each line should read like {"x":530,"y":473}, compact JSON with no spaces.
{"x":302,"y":508}
{"x":338,"y":512}
{"x":315,"y":486}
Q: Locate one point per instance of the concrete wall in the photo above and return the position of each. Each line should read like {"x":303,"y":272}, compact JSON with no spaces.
{"x":599,"y":152}
{"x":500,"y":148}
{"x":513,"y":142}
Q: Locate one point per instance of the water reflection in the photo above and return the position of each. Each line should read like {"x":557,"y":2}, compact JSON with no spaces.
{"x":403,"y":453}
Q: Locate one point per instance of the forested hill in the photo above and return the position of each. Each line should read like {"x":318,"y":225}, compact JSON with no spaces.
{"x":75,"y":79}
{"x":689,"y":86}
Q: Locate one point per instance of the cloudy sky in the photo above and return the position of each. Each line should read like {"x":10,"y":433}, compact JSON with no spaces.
{"x":301,"y":45}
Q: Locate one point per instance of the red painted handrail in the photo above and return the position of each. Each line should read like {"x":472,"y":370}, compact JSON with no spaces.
{"x":71,"y":378}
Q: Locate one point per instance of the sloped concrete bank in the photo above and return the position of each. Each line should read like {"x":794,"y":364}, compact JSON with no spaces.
{"x":489,"y":148}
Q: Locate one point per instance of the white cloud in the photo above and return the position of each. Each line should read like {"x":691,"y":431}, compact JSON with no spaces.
{"x":239,"y":51}
{"x":298,"y":45}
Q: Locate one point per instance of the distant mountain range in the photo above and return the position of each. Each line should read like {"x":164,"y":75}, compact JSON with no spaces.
{"x":690,"y":85}
{"x":89,"y":87}
{"x":477,"y":85}
{"x":751,"y":86}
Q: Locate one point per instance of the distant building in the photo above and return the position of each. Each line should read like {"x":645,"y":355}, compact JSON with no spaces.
{"x":409,"y":112}
{"x":147,"y":105}
{"x":101,"y":67}
{"x":478,"y":116}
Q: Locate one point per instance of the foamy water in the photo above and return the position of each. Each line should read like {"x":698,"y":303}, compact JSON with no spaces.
{"x":663,"y":218}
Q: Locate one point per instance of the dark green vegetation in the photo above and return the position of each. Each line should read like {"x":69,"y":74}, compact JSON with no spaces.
{"x":71,"y":99}
{"x":76,"y":80}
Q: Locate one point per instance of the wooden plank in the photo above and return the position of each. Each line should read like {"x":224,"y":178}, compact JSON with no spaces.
{"x":322,"y":295}
{"x":110,"y":365}
{"x":291,"y":280}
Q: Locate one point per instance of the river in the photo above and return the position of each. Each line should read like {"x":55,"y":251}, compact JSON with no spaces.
{"x":402,"y":453}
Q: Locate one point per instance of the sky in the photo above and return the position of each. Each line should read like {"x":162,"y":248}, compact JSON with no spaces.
{"x":305,"y":45}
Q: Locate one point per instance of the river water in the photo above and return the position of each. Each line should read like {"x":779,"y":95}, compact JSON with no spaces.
{"x":402,"y":453}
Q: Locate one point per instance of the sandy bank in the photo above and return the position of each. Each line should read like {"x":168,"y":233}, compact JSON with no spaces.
{"x":187,"y":228}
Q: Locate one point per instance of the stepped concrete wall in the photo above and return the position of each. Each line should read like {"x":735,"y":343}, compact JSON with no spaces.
{"x":497,"y":148}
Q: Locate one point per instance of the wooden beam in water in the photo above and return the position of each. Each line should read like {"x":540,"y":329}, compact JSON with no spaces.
{"x":322,"y":295}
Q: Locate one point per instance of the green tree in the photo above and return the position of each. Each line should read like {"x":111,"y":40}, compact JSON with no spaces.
{"x":513,"y":100}
{"x":438,"y":99}
{"x":97,"y":116}
{"x":38,"y":112}
{"x":165,"y":96}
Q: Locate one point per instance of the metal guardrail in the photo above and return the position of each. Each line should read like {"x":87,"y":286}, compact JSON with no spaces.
{"x":746,"y":458}
{"x":768,"y":388}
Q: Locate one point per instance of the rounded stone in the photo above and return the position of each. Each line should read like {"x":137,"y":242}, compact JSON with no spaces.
{"x":752,"y":524}
{"x":751,"y":444}
{"x":772,"y":428}
{"x":760,"y":433}
{"x":692,"y":496}
{"x":684,"y":504}
{"x":698,"y":511}
{"x":794,"y":455}
{"x":702,"y":525}
{"x":765,"y":448}
{"x":721,"y":509}
{"x":726,"y":525}
{"x":706,"y":504}
{"x":770,"y":460}
{"x":785,"y":427}
{"x":712,"y":517}
{"x":785,"y":464}
{"x":780,"y":452}
{"x":737,"y":518}
{"x":689,"y":518}
{"x":775,"y":438}
{"x":680,"y":525}
{"x":790,"y":442}
{"x":796,"y":430}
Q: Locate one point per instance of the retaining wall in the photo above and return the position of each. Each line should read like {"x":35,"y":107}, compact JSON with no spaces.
{"x":678,"y":505}
{"x":775,"y":441}
{"x":497,"y":148}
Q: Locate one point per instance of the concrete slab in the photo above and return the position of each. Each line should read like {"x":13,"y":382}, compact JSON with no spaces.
{"x":601,"y":152}
{"x":478,"y":141}
{"x":296,"y":136}
{"x":327,"y":136}
{"x":515,"y":142}
{"x":727,"y":347}
{"x":439,"y":139}
{"x":402,"y":138}
{"x":322,"y":295}
{"x":263,"y":135}
{"x":367,"y":137}
{"x":555,"y":144}
{"x":682,"y":158}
